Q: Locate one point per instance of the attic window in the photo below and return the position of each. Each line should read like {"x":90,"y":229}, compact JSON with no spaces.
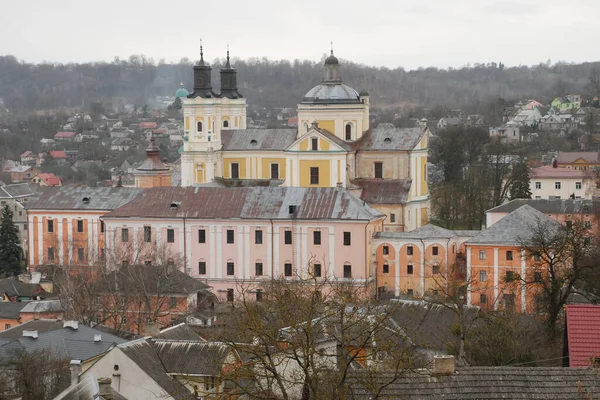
{"x":253,"y":142}
{"x":86,"y":200}
{"x":387,"y":140}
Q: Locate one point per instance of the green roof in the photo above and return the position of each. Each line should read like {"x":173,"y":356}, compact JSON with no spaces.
{"x":181,"y":92}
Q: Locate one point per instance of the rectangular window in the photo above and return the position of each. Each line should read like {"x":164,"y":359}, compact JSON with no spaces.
{"x":509,"y":255}
{"x":274,"y":171}
{"x":409,"y":269}
{"x":435,"y":251}
{"x":317,"y":237}
{"x":80,"y":254}
{"x":482,"y":299}
{"x":314,"y":175}
{"x":386,"y":268}
{"x":124,"y":235}
{"x":147,"y":234}
{"x":258,"y":239}
{"x":510,"y":276}
{"x":556,"y":185}
{"x":102,"y":227}
{"x":577,"y":185}
{"x":409,"y":251}
{"x":102,"y":253}
{"x":587,"y":224}
{"x":538,"y":185}
{"x":537,"y":277}
{"x":482,"y":255}
{"x":258,"y":269}
{"x":435,"y":270}
{"x":347,"y":238}
{"x":287,"y":269}
{"x":259,"y":294}
{"x":201,"y":235}
{"x":386,"y":250}
{"x":410,"y":292}
{"x":569,"y":224}
{"x":79,"y":226}
{"x":314,"y":144}
{"x":170,"y":235}
{"x":202,"y":267}
{"x":50,"y":225}
{"x":6,"y":326}
{"x":392,"y":218}
{"x":230,"y":236}
{"x":347,"y":271}
{"x":288,"y":237}
{"x":317,"y":270}
{"x":482,"y":276}
{"x":378,"y":167}
{"x":537,"y":257}
{"x":235,"y":171}
{"x":230,"y":269}
{"x":123,"y":319}
{"x":51,"y":254}
{"x":124,"y":263}
{"x":230,"y":295}
{"x":173,"y":302}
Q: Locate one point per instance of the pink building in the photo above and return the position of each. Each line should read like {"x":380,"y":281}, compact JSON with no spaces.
{"x":233,"y":236}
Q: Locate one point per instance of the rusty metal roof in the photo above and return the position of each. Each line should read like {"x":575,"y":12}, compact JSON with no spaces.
{"x":384,"y":191}
{"x":386,"y":137}
{"x":257,"y":139}
{"x":81,"y":198}
{"x":247,"y":203}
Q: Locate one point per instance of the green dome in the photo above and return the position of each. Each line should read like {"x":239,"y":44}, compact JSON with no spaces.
{"x":181,"y":92}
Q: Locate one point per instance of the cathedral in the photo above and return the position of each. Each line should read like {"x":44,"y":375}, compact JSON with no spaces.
{"x":333,"y":146}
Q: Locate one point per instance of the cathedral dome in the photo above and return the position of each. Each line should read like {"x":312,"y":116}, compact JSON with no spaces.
{"x":331,"y":60}
{"x":327,"y":93}
{"x":181,"y":92}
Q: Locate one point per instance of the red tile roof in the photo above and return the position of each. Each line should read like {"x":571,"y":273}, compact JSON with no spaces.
{"x":58,"y":154}
{"x":64,"y":135}
{"x":148,"y":125}
{"x":583,"y":333}
{"x":547,"y":171}
{"x":50,"y":179}
{"x":27,"y":154}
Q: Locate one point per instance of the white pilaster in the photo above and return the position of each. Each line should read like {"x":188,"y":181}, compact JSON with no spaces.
{"x":469,"y":276}
{"x":397,"y":271}
{"x":523,"y":287}
{"x":332,"y":253}
{"x":496,"y":272}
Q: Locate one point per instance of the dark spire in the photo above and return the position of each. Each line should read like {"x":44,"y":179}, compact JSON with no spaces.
{"x":229,"y":80}
{"x":201,"y":62}
{"x":202,"y":78}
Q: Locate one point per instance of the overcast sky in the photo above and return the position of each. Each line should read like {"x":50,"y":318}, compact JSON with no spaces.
{"x":407,"y":33}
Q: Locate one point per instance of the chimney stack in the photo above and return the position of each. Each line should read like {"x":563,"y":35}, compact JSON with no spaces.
{"x":31,"y":334}
{"x":152,"y":328}
{"x":104,"y":385}
{"x":97,"y":337}
{"x":444,"y":365}
{"x":71,"y":324}
{"x":75,"y":367}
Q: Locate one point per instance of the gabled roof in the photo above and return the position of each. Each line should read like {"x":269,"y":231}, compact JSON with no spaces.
{"x":58,"y":154}
{"x":49,"y":178}
{"x":548,"y":171}
{"x":386,"y":137}
{"x":11,"y":310}
{"x":74,"y":198}
{"x":43,"y":306}
{"x":325,"y":134}
{"x":545,"y":206}
{"x":16,"y":190}
{"x":428,"y":231}
{"x":192,"y":357}
{"x":257,"y":139}
{"x":247,"y":203}
{"x":13,"y":287}
{"x":178,"y":332}
{"x":28,"y":153}
{"x":567,"y":157}
{"x":384,"y":191}
{"x":65,"y":135}
{"x":515,"y":228}
{"x":583,"y":334}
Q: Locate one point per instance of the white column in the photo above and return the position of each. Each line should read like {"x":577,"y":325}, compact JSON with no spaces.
{"x":219,"y":251}
{"x":303,"y":267}
{"x":269,"y":238}
{"x":70,"y":243}
{"x":398,"y":270}
{"x":523,"y":276}
{"x":276,"y":261}
{"x":182,"y":248}
{"x":469,"y":277}
{"x":240,"y":264}
{"x":59,"y":243}
{"x":332,"y":252}
{"x":92,"y":233}
{"x":211,"y":239}
{"x":423,"y":269}
{"x":248,"y":262}
{"x":496,"y":272}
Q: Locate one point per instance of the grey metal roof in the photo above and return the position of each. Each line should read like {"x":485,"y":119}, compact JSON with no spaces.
{"x":386,"y":137}
{"x":384,"y":191}
{"x":247,"y":203}
{"x":486,"y":383}
{"x":178,"y":332}
{"x":257,"y":139}
{"x":13,"y":287}
{"x":40,"y":306}
{"x":10,"y":310}
{"x":192,"y":357}
{"x":17,"y":190}
{"x":40,"y":325}
{"x":561,"y":206}
{"x":145,"y":356}
{"x":327,"y":93}
{"x":515,"y":228}
{"x":428,"y":231}
{"x":72,"y":198}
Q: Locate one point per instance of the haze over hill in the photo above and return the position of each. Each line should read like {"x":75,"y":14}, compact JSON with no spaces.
{"x":282,"y":83}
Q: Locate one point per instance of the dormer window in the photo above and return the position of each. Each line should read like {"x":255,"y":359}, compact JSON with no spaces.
{"x":175,"y":205}
{"x":387,"y":140}
{"x":253,"y":142}
{"x":86,"y":200}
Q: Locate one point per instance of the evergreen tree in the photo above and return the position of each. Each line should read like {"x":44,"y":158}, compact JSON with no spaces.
{"x":10,"y":248}
{"x":519,"y":188}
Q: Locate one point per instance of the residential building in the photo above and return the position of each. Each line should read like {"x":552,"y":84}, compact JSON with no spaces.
{"x":476,"y":120}
{"x":527,"y":118}
{"x":153,"y":172}
{"x":495,"y":257}
{"x":528,"y":104}
{"x":420,"y":262}
{"x":233,"y":236}
{"x":582,"y":335}
{"x":332,"y":145}
{"x":449,"y":121}
{"x":59,"y":156}
{"x":510,"y":133}
{"x":68,"y":136}
{"x":10,"y":314}
{"x":582,"y":160}
{"x":565,"y":103}
{"x":45,"y":179}
{"x":551,"y":182}
{"x":28,"y":158}
{"x":43,"y":309}
{"x":16,"y":196}
{"x":21,"y":173}
{"x":64,"y":224}
{"x":13,"y":290}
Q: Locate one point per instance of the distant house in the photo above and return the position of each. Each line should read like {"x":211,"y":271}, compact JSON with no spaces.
{"x":551,"y":122}
{"x":527,"y":117}
{"x":569,"y":102}
{"x":292,"y":122}
{"x":475,"y":120}
{"x":68,"y":136}
{"x":28,"y":158}
{"x":508,"y":132}
{"x":122,"y":144}
{"x":448,"y":121}
{"x":148,"y":125}
{"x":581,"y":160}
{"x":582,"y":335}
{"x":59,"y":156}
{"x":120,"y":133}
{"x":22,"y":173}
{"x":45,"y":179}
{"x":47,"y":142}
{"x":528,"y":104}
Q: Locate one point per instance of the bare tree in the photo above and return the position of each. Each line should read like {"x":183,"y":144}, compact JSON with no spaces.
{"x":594,"y":84}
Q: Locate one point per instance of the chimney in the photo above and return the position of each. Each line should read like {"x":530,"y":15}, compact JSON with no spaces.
{"x":104,"y":385}
{"x":75,"y":367}
{"x":97,"y":338}
{"x":71,"y":324}
{"x":152,"y":328}
{"x":444,"y":365}
{"x":555,"y":163}
{"x":31,"y":334}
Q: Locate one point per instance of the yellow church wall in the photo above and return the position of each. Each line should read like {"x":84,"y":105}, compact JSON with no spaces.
{"x":303,"y":145}
{"x":339,"y":171}
{"x":266,"y":167}
{"x":423,"y":167}
{"x":187,"y":123}
{"x":200,"y":174}
{"x":227,"y":167}
{"x":424,"y":216}
{"x":306,"y":143}
{"x":327,"y":124}
{"x":324,"y":172}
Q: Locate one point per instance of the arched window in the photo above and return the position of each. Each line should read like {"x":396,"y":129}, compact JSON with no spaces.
{"x":348,"y":131}
{"x":305,"y":127}
{"x":225,"y":124}
{"x":199,"y":126}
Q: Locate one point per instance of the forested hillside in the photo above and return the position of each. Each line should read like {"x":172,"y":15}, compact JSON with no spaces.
{"x":25,"y":87}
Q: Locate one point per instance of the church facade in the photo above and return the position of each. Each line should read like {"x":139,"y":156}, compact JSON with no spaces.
{"x":334,"y":145}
